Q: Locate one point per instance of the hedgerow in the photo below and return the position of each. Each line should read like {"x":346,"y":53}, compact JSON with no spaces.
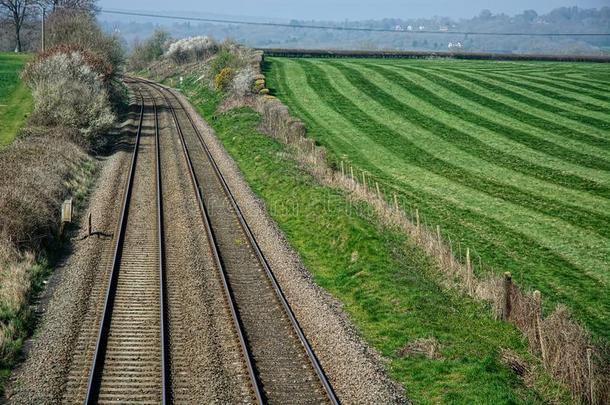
{"x":70,"y":89}
{"x":191,"y":49}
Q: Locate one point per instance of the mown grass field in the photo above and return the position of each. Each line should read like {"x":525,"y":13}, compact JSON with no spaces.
{"x":512,"y":159}
{"x":386,"y":284}
{"x":15,"y":97}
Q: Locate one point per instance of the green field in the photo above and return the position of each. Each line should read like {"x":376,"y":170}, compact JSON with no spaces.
{"x":512,"y":159}
{"x":15,"y":97}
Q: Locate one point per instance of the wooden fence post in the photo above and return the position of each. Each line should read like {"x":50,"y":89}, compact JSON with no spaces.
{"x":469,"y":271}
{"x":378,"y":192}
{"x":364,"y":179}
{"x":89,"y":228}
{"x":538,"y":303}
{"x":417,"y":218}
{"x":508,"y":281}
{"x":590,"y":364}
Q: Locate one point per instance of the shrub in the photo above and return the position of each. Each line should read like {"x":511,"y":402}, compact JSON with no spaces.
{"x":70,"y":89}
{"x":223,"y":79}
{"x":243,"y":82}
{"x":36,"y":171}
{"x":224,"y":59}
{"x":150,"y":50}
{"x":191,"y":49}
{"x":79,"y":28}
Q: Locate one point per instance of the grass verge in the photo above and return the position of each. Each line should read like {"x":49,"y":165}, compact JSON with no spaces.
{"x":387,"y":285}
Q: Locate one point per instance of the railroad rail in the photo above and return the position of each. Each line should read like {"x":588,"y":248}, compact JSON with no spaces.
{"x":281,"y":363}
{"x":131,"y":357}
{"x":338,"y":53}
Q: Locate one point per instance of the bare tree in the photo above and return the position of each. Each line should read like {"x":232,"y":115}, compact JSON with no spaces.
{"x":16,"y":11}
{"x":85,"y":5}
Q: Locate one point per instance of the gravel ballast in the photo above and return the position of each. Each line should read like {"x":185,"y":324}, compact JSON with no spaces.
{"x":206,"y":363}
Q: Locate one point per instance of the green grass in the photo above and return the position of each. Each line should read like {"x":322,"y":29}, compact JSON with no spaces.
{"x":387,"y":285}
{"x":15,"y":97}
{"x":512,"y":159}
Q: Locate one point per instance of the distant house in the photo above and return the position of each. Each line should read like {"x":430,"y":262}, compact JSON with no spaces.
{"x":456,"y":45}
{"x":398,"y":28}
{"x":421,"y":28}
{"x":444,"y":29}
{"x":409,"y":28}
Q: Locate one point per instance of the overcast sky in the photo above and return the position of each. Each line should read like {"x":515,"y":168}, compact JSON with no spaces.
{"x":350,"y":9}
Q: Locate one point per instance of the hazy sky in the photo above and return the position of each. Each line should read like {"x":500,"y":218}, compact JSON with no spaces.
{"x":351,"y":9}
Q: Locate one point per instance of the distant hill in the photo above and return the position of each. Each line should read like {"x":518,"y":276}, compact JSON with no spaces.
{"x":406,"y":35}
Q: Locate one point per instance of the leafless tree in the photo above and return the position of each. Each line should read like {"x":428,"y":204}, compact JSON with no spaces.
{"x":16,"y":11}
{"x":85,"y":5}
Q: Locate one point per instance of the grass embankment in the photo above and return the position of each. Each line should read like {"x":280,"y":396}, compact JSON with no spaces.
{"x":15,"y":97}
{"x":511,"y":159}
{"x":387,"y":285}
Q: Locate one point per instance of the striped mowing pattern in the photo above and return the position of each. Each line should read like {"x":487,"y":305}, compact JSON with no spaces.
{"x":511,"y":158}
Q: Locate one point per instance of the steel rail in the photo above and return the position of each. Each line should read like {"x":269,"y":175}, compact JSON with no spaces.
{"x":256,"y":386}
{"x":93,"y":385}
{"x":164,"y":337}
{"x":259,"y":254}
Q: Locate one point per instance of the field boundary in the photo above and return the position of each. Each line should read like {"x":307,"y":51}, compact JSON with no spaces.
{"x":331,"y":53}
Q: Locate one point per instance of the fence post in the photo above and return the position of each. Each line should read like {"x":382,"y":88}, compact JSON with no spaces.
{"x":538,"y":301}
{"x":469,"y":271}
{"x":590,"y":364}
{"x":417,"y":218}
{"x":364,"y":180}
{"x":89,"y":228}
{"x":378,"y":192}
{"x":508,"y":280}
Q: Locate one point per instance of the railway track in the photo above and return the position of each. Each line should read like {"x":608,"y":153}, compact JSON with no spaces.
{"x":127,"y":346}
{"x":130,"y":359}
{"x":282,"y":366}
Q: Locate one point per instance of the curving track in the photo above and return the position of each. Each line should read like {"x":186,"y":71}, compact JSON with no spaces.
{"x":282,"y":365}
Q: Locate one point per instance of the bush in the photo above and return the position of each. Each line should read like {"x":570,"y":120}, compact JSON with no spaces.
{"x":36,"y":172}
{"x":70,"y":89}
{"x":243,"y":82}
{"x":79,"y":28}
{"x":223,"y":79}
{"x":224,"y":59}
{"x":150,"y":50}
{"x":191,"y":49}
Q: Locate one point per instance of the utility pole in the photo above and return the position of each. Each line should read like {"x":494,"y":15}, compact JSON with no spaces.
{"x":43,"y":18}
